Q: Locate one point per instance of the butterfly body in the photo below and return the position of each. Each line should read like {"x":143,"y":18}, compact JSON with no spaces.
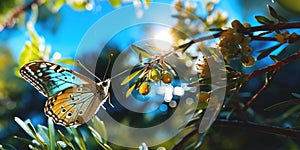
{"x":73,"y":99}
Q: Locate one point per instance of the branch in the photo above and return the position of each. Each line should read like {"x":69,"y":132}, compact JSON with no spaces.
{"x":274,"y":27}
{"x":275,"y":65}
{"x":245,"y":125}
{"x":267,"y":83}
{"x":16,"y":12}
{"x":262,"y":128}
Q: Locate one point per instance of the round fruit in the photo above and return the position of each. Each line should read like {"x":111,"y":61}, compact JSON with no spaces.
{"x":248,"y":61}
{"x":166,"y":77}
{"x":203,"y":96}
{"x":154,"y":75}
{"x":145,"y":88}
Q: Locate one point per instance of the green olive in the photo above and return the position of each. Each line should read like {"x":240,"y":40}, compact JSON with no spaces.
{"x":154,"y":75}
{"x":145,"y":88}
{"x":166,"y":77}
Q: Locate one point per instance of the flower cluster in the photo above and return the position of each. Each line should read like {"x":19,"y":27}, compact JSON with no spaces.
{"x":234,"y":44}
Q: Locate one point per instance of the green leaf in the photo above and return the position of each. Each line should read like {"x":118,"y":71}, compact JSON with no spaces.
{"x":35,"y":38}
{"x":51,"y":133}
{"x":63,"y":138}
{"x":283,"y":104}
{"x":100,"y":127}
{"x":141,"y":51}
{"x":282,"y":19}
{"x":266,"y":52}
{"x":274,"y":58}
{"x":273,"y":12}
{"x":57,"y":5}
{"x":78,"y":138}
{"x":264,"y":20}
{"x":28,"y":54}
{"x":43,"y":131}
{"x":23,"y":125}
{"x":34,"y":13}
{"x":130,"y":77}
{"x":296,"y":95}
{"x":7,"y":147}
{"x":129,"y":91}
{"x":37,"y":136}
{"x":77,"y":5}
{"x":98,"y":139}
{"x":58,"y":146}
{"x":115,"y":3}
{"x":67,"y":61}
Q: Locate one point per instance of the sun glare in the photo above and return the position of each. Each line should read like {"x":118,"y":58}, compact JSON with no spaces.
{"x":164,"y":35}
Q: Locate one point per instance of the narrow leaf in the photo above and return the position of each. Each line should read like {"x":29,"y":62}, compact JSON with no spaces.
{"x":130,"y":77}
{"x":266,"y":52}
{"x":51,"y":134}
{"x":282,"y":19}
{"x":78,"y":138}
{"x":58,"y":4}
{"x":296,"y":95}
{"x":63,"y":138}
{"x":264,"y":20}
{"x":273,"y":12}
{"x":283,"y":104}
{"x":141,"y":51}
{"x":100,"y":127}
{"x":37,"y":136}
{"x":23,"y":125}
{"x":98,"y":139}
{"x":274,"y":58}
{"x":129,"y":91}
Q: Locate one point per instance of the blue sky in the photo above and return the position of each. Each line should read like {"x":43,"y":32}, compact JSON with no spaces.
{"x":73,"y":26}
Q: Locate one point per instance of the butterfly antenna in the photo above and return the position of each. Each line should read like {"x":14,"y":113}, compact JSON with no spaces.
{"x":119,"y":74}
{"x":87,"y":70}
{"x":109,"y":60}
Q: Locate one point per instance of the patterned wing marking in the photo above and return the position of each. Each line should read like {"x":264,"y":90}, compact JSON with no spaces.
{"x":49,"y":78}
{"x":75,"y":105}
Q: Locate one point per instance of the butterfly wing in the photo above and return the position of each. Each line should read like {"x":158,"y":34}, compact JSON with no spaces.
{"x":49,"y":78}
{"x":75,"y":105}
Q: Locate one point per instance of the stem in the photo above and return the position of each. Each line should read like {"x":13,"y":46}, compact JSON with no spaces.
{"x":16,"y":12}
{"x":274,"y":27}
{"x":262,"y":128}
{"x":254,"y":97}
{"x":245,"y":125}
{"x":275,"y":65}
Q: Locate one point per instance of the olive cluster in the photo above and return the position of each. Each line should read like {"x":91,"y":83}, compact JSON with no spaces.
{"x":154,"y":75}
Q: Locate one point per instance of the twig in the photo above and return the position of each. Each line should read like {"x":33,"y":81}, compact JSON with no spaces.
{"x":274,"y":27}
{"x":16,"y":12}
{"x":275,"y":65}
{"x":245,"y":125}
{"x":254,"y":97}
{"x":263,"y":128}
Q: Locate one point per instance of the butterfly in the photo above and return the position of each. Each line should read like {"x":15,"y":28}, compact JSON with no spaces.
{"x":73,"y":99}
